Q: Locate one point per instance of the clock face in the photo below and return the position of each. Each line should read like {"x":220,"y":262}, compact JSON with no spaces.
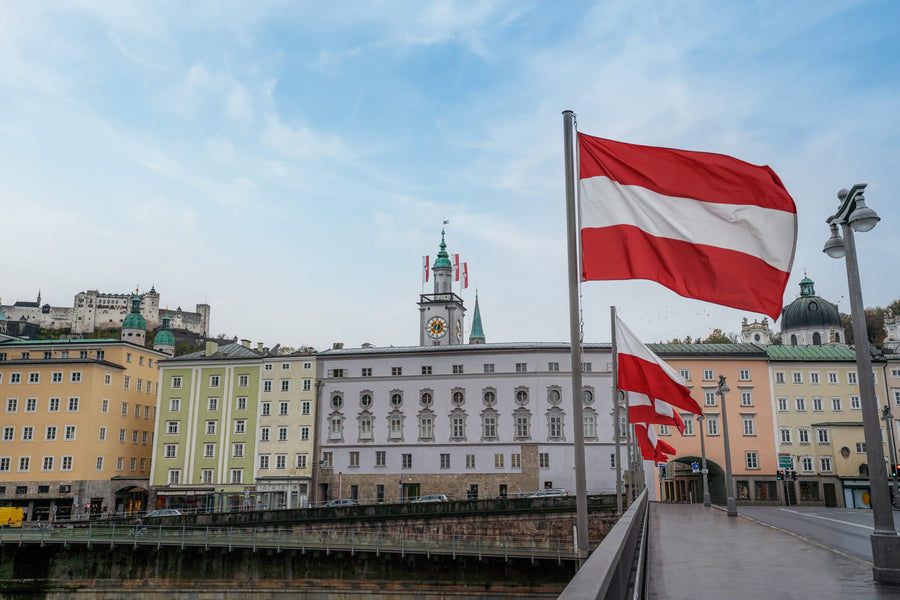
{"x":436,"y":327}
{"x":458,"y":331}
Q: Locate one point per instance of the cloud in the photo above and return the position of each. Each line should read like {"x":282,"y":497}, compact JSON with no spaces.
{"x":302,"y":142}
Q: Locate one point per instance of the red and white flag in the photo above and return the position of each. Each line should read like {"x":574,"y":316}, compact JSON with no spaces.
{"x":641,"y":409}
{"x":640,"y":371}
{"x":465,"y":275}
{"x":706,"y":226}
{"x":456,"y":267}
{"x":652,"y":448}
{"x":425,"y":270}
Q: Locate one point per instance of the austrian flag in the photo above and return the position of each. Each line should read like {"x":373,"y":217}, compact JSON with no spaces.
{"x":654,"y":386}
{"x":706,"y":226}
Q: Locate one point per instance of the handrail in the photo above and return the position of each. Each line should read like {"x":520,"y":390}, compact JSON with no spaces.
{"x":606,"y":575}
{"x":203,"y":537}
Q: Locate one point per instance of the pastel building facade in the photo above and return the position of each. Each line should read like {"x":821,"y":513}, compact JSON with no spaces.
{"x":76,"y":426}
{"x":231,"y":429}
{"x":751,"y":427}
{"x":468,"y":420}
{"x":818,"y":409}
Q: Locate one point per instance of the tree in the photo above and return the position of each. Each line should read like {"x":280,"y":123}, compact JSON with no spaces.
{"x":874,"y":326}
{"x":717,"y":337}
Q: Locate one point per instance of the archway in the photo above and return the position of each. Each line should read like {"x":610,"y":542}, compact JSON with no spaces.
{"x":683,"y":485}
{"x":130,"y":500}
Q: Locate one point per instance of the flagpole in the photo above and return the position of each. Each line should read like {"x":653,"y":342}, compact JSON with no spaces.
{"x":577,"y":400}
{"x":617,"y":404}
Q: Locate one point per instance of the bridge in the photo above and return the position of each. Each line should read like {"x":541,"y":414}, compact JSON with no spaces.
{"x":287,"y":538}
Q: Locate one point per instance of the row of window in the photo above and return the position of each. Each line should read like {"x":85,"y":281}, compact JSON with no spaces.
{"x":406,"y":460}
{"x":818,"y":404}
{"x":66,"y":463}
{"x":48,"y":463}
{"x":709,"y":397}
{"x":748,"y":425}
{"x":207,"y":476}
{"x":82,"y":354}
{"x":51,"y":433}
{"x":215,"y":381}
{"x":815,"y":377}
{"x":456,"y":369}
{"x":823,"y":436}
{"x":709,"y":375}
{"x":458,"y":423}
{"x":55,"y":377}
{"x":458,"y":397}
{"x":301,"y":462}
{"x":53,"y":405}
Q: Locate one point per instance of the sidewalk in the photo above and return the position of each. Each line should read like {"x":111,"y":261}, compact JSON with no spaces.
{"x":697,"y":553}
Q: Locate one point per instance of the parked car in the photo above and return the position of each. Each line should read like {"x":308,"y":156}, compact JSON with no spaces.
{"x":432,"y":498}
{"x":549,"y":493}
{"x":163,"y":512}
{"x":342,"y":502}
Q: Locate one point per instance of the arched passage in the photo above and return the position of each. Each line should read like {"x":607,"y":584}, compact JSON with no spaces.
{"x":682,"y":484}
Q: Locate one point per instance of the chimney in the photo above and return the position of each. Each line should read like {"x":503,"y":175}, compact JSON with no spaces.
{"x":245,"y":343}
{"x":259,"y":347}
{"x":337,"y":345}
{"x":211,"y":347}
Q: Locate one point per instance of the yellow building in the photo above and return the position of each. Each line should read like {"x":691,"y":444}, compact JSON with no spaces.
{"x":818,"y":417}
{"x":76,"y":426}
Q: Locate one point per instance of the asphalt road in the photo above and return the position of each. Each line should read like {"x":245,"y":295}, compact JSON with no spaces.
{"x":843,"y":529}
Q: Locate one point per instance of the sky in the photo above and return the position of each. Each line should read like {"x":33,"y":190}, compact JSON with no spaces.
{"x":290,"y":163}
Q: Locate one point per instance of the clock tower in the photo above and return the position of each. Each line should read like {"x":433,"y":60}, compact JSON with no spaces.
{"x":441,"y":314}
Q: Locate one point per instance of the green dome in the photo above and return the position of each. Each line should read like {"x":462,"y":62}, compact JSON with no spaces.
{"x":164,"y":337}
{"x":135,"y":320}
{"x":809,"y":310}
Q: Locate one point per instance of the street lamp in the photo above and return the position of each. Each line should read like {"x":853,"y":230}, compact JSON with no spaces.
{"x":853,"y":215}
{"x":731,"y":506}
{"x":892,"y":445}
{"x":703,"y":470}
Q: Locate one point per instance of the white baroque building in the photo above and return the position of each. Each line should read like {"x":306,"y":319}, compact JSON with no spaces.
{"x":459,"y":419}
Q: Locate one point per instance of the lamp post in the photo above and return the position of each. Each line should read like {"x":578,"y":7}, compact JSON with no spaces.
{"x":892,"y":445}
{"x":730,"y":505}
{"x":703,"y":470}
{"x":853,"y":215}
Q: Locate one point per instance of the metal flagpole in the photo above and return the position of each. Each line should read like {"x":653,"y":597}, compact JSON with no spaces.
{"x":616,"y":394}
{"x":577,"y":400}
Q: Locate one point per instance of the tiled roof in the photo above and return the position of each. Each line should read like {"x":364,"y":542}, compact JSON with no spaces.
{"x":512,"y":346}
{"x":225,"y":352}
{"x":810,"y":353}
{"x":708,"y":349}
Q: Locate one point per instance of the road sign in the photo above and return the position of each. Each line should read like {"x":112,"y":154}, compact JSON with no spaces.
{"x":695,"y":467}
{"x":785,"y":462}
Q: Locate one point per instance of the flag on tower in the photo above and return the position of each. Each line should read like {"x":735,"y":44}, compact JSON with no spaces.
{"x":465,"y":275}
{"x":456,"y":267}
{"x":425,"y":270}
{"x":706,"y":226}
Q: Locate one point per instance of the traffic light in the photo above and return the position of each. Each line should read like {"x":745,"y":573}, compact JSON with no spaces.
{"x":779,"y":475}
{"x":794,"y":475}
{"x":894,"y":470}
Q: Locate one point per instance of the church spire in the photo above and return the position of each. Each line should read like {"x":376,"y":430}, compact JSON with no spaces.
{"x":477,"y":335}
{"x":443,"y":259}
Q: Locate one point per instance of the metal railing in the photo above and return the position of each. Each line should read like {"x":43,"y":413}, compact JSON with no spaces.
{"x":283,"y":538}
{"x":615,"y":570}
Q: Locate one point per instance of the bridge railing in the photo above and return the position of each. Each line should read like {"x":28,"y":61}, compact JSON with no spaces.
{"x":297,"y":538}
{"x":614,"y":571}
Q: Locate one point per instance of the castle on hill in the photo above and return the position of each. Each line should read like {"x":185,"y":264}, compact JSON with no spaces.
{"x":92,"y":310}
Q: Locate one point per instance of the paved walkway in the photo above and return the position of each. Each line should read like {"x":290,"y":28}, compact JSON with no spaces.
{"x":697,"y":553}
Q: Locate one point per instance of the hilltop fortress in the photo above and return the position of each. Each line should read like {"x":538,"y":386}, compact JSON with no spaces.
{"x":92,"y":310}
